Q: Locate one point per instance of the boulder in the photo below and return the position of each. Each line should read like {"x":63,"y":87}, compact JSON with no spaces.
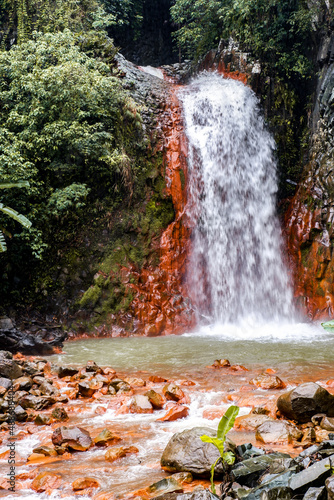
{"x":311,"y":476}
{"x":248,"y":472}
{"x":185,"y":452}
{"x":75,"y":438}
{"x":157,"y":380}
{"x":140,"y":404}
{"x":47,"y":451}
{"x":106,"y":438}
{"x":173,"y":392}
{"x":85,"y":482}
{"x":304,"y":401}
{"x":87,"y":388}
{"x":327,"y":423}
{"x":174,"y":413}
{"x":46,"y":481}
{"x":274,"y":431}
{"x":267,"y":381}
{"x":22,"y":384}
{"x":37,"y":402}
{"x":330,"y":488}
{"x":251,"y":421}
{"x":59,"y":414}
{"x":156,"y":399}
{"x":67,"y":371}
{"x":20,"y":414}
{"x":119,"y":452}
{"x":8,"y":368}
{"x":166,"y":485}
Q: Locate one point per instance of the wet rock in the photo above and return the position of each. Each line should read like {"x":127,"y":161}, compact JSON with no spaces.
{"x":5,"y":384}
{"x":310,"y":476}
{"x":327,"y":423}
{"x":15,"y":341}
{"x":119,"y":452}
{"x":111,"y":390}
{"x":59,"y":414}
{"x":31,"y":368}
{"x":221,"y":363}
{"x":251,"y":421}
{"x":273,"y":432}
{"x":321,"y":434}
{"x":46,"y":481}
{"x":8,"y":368}
{"x":166,"y":485}
{"x":185,"y":452}
{"x":87,"y":388}
{"x":20,"y":414}
{"x":85,"y":482}
{"x":41,"y":419}
{"x":330,"y":488}
{"x":309,"y":435}
{"x":48,"y":389}
{"x":259,"y":410}
{"x":304,"y":401}
{"x":249,"y":471}
{"x":140,"y":404}
{"x":47,"y":451}
{"x":315,"y":494}
{"x":91,"y":366}
{"x":157,"y":380}
{"x":37,"y":402}
{"x":6,"y":323}
{"x":199,"y":494}
{"x":106,"y":438}
{"x":174,"y":413}
{"x":22,"y":384}
{"x":247,"y":450}
{"x":173,"y":392}
{"x":67,"y":371}
{"x":267,"y":381}
{"x":75,"y":438}
{"x":135,"y":382}
{"x":120,"y":386}
{"x":156,"y":399}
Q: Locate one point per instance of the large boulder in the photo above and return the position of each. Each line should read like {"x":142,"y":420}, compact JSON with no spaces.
{"x":304,"y":401}
{"x":8,"y":368}
{"x":274,"y":431}
{"x":185,"y":452}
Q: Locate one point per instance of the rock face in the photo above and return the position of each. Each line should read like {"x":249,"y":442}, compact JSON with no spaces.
{"x":15,"y":340}
{"x":304,"y":401}
{"x":185,"y":452}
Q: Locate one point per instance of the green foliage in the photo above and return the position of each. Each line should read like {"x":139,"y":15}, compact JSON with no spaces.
{"x":226,"y":423}
{"x":11,"y":212}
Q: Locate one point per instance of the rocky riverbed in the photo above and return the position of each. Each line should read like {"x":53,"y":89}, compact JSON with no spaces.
{"x":88,"y":431}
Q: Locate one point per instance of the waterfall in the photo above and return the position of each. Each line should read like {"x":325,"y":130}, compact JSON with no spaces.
{"x":235,"y":270}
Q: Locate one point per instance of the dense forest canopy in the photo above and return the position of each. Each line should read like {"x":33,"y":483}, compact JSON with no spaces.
{"x":70,"y":127}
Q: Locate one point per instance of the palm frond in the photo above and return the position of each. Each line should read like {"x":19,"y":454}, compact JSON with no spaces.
{"x":3,"y":246}
{"x":16,"y":216}
{"x":18,"y":184}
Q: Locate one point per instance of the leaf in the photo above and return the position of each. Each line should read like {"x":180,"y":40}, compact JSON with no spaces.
{"x":18,"y":184}
{"x":16,"y":216}
{"x":229,"y":457}
{"x":213,"y":488}
{"x":218,"y":443}
{"x":3,"y":246}
{"x":227,"y":422}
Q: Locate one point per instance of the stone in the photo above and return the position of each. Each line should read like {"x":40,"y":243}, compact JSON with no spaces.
{"x":140,"y":404}
{"x":304,"y":401}
{"x":327,"y":423}
{"x":249,"y":471}
{"x":135,"y":382}
{"x":6,"y":323}
{"x":157,"y":380}
{"x":111,"y":390}
{"x":85,"y":482}
{"x":20,"y":414}
{"x":221,"y":363}
{"x":37,"y":402}
{"x":174,"y":413}
{"x":313,"y":474}
{"x":251,"y":421}
{"x":91,"y":366}
{"x":87,"y":388}
{"x":46,"y":481}
{"x":259,"y":410}
{"x":120,"y":385}
{"x":75,"y":438}
{"x":166,"y":485}
{"x":59,"y":414}
{"x":5,"y":383}
{"x":156,"y":399}
{"x":173,"y":392}
{"x":247,"y":450}
{"x":274,"y":431}
{"x":315,"y":494}
{"x":41,"y":419}
{"x":330,"y":488}
{"x":67,"y":371}
{"x":106,"y":438}
{"x":309,"y":435}
{"x":48,"y":389}
{"x":47,"y":451}
{"x":119,"y":452}
{"x":23,"y":384}
{"x":185,"y":452}
{"x":8,"y":368}
{"x":267,"y":381}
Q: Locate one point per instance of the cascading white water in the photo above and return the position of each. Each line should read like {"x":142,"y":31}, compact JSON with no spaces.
{"x":236,"y":271}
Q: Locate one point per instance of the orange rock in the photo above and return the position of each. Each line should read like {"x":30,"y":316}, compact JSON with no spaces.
{"x":115,"y":453}
{"x":45,"y":481}
{"x":266,"y":381}
{"x":106,"y":438}
{"x":330,"y":383}
{"x":156,"y":399}
{"x":270,"y":371}
{"x":213,"y":413}
{"x":173,"y":392}
{"x":238,"y":368}
{"x":156,"y":379}
{"x":174,"y":413}
{"x":4,"y":484}
{"x":186,"y":383}
{"x":85,"y":482}
{"x":100,"y":410}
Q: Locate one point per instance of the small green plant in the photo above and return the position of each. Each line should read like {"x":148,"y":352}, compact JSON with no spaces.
{"x":11,"y":212}
{"x":226,"y":423}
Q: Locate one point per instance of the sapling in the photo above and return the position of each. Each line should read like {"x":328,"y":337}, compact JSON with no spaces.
{"x":226,"y":423}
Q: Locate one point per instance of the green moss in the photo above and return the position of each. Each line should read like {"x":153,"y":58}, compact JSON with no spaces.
{"x":305,"y":252}
{"x":320,"y":291}
{"x":182,"y":178}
